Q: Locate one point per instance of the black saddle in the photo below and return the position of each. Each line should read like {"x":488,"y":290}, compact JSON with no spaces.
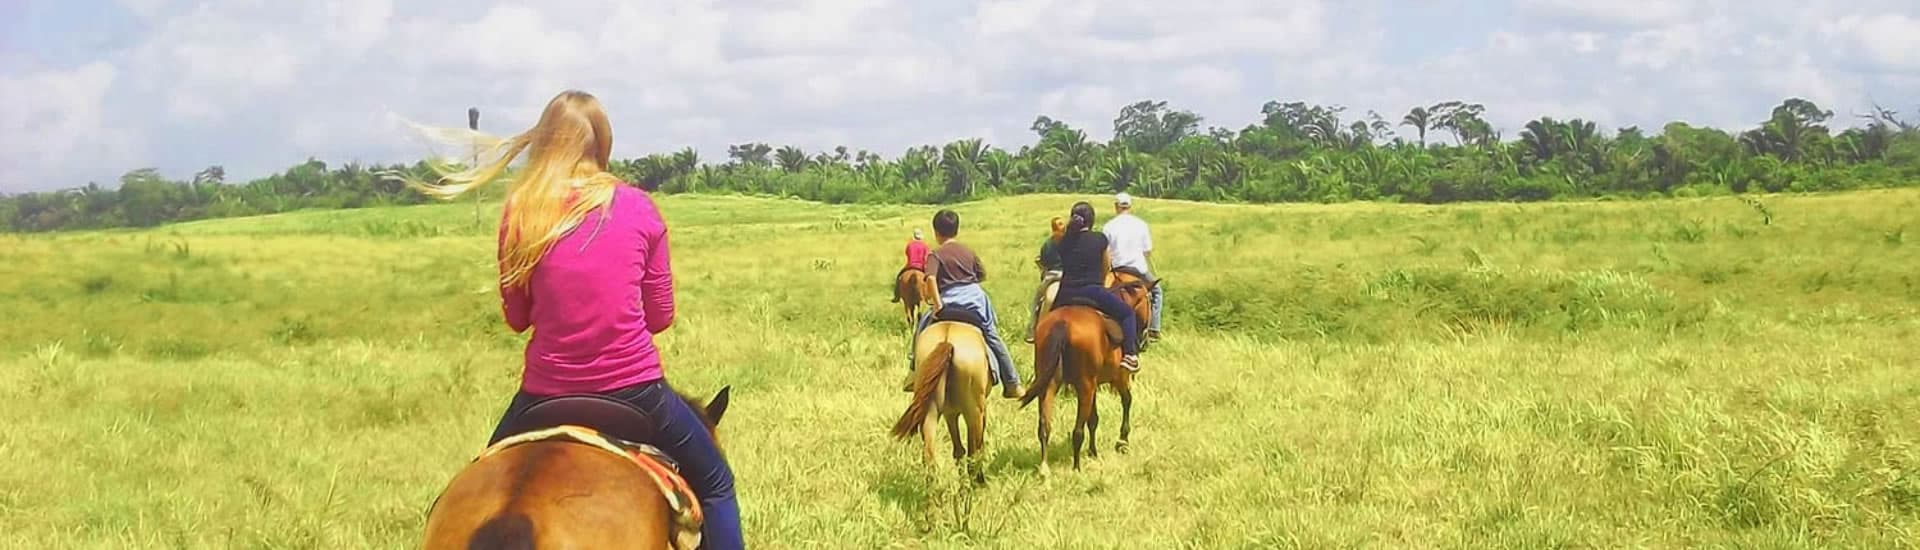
{"x":960,"y":315}
{"x":611,"y":417}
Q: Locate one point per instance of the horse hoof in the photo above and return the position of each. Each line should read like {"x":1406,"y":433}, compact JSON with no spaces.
{"x":1120,"y":447}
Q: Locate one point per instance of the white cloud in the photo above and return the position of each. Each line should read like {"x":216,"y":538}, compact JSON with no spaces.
{"x":144,"y":8}
{"x":1889,"y":40}
{"x":1617,"y":13}
{"x":354,"y":25}
{"x":1209,"y":79}
{"x":509,"y":37}
{"x":257,"y":85}
{"x":54,"y":122}
{"x":1688,"y":44}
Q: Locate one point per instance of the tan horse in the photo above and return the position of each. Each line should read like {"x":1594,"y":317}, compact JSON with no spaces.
{"x":914,"y":288}
{"x":1080,"y":349}
{"x":1046,"y":300}
{"x":950,"y":377}
{"x":557,"y":494}
{"x":1046,"y":295}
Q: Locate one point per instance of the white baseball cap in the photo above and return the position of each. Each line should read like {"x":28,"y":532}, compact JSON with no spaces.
{"x":1123,"y":199}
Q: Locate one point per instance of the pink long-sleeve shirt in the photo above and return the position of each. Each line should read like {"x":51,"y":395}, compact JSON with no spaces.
{"x":596,"y":300}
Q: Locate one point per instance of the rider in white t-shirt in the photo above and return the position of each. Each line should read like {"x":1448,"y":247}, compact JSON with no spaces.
{"x":1130,"y":245}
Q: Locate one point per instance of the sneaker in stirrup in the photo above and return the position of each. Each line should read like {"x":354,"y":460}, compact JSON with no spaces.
{"x":1130,"y":362}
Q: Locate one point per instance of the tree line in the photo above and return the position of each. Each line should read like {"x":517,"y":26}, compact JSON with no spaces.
{"x":1296,"y":152}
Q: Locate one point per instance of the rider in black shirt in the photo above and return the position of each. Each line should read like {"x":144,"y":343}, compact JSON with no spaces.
{"x":1083,"y":255}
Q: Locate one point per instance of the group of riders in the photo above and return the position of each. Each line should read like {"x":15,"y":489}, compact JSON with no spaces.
{"x":584,"y":264}
{"x":1074,"y":255}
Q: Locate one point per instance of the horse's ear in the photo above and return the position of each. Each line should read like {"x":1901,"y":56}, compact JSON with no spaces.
{"x":717,"y":407}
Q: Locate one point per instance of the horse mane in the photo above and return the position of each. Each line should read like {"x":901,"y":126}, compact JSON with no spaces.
{"x":699,"y":408}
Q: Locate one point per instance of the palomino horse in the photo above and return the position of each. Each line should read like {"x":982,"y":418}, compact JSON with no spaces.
{"x":1079,"y":348}
{"x":558,"y":493}
{"x":950,"y":377}
{"x":914,"y":288}
{"x":1045,"y":298}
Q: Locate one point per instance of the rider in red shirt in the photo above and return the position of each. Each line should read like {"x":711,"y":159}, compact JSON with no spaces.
{"x":917,"y":252}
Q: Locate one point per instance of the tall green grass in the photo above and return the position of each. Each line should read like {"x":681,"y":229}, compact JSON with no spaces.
{"x":1676,"y":373}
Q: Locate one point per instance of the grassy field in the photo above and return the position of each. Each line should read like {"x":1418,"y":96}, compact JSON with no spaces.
{"x":1664,"y":374}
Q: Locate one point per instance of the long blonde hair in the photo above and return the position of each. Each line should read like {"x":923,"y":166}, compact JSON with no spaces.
{"x":565,"y":178}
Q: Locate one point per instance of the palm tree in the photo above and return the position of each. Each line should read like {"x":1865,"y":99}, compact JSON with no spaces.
{"x":1540,"y":138}
{"x":750,"y":154}
{"x":918,"y":163}
{"x":961,"y":162}
{"x":1794,"y":124}
{"x":1420,"y":119}
{"x":685,"y":161}
{"x":1463,"y":119}
{"x":1121,"y":169}
{"x":996,"y":166}
{"x":792,"y":159}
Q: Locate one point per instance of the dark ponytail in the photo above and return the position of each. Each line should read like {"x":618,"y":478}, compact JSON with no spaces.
{"x":1082,"y":218}
{"x":1079,"y":223}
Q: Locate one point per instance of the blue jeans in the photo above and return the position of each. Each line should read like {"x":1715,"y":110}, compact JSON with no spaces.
{"x":684,"y":437}
{"x":1154,"y":323}
{"x":974,"y":298}
{"x":1113,"y":307}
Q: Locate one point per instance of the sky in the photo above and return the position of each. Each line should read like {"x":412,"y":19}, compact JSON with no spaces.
{"x":90,"y":89}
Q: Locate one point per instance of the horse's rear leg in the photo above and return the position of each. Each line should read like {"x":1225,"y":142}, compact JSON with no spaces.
{"x":1045,"y":431}
{"x":977,"y":439}
{"x":1126,"y":415}
{"x":1082,"y":419}
{"x":953,"y":434}
{"x":926,"y":437}
{"x":1093,"y":422}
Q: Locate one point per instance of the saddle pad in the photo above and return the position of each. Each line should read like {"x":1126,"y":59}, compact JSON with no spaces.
{"x":687,"y":518}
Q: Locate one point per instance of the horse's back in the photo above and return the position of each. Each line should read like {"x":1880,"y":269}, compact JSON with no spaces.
{"x":550,"y":494}
{"x":1087,"y":341}
{"x":969,"y":350}
{"x":906,"y":285}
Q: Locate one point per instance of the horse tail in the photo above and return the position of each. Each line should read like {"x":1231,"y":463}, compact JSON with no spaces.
{"x":926,"y":379}
{"x":1047,"y":366}
{"x":899,"y":282}
{"x":512,"y":531}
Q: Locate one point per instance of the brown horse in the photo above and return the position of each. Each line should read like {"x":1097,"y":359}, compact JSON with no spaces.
{"x":1118,"y":281}
{"x":914,"y":288}
{"x":951,"y":378}
{"x":1080,"y":349}
{"x":557,"y":494}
